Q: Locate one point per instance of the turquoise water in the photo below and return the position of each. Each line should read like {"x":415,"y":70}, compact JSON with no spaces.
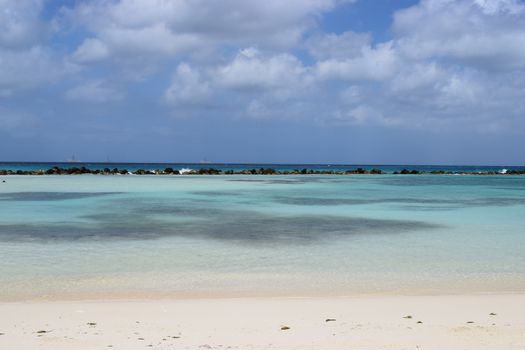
{"x":102,"y":236}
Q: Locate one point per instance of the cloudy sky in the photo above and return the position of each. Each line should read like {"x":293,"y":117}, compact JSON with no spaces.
{"x":316,"y":81}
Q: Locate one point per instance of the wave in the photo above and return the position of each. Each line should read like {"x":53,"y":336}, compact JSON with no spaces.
{"x":185,"y":170}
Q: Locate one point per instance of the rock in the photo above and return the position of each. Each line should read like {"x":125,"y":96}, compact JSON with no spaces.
{"x":284,"y":328}
{"x":408,"y":317}
{"x":209,"y":171}
{"x":268,"y":171}
{"x":330,"y":320}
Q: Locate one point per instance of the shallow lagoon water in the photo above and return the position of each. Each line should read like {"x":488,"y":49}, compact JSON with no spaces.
{"x":103,"y":236}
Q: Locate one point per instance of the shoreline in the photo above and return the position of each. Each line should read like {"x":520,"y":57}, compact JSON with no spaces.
{"x":354,"y":322}
{"x":159,"y":296}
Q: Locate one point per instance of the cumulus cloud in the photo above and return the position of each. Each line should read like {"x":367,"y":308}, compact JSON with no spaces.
{"x":251,"y":84}
{"x":91,"y":50}
{"x":251,"y":70}
{"x":486,"y":34}
{"x":25,"y":59}
{"x":338,"y":46}
{"x":372,"y":63}
{"x":187,"y":87}
{"x":445,"y":63}
{"x":172,"y":27}
{"x":449,"y":64}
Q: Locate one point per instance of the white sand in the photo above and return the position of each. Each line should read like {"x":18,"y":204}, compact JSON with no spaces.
{"x":372,"y":322}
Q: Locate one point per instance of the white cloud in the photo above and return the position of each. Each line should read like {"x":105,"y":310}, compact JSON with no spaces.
{"x":251,"y":70}
{"x":25,"y":59}
{"x":94,"y":92}
{"x":155,"y":39}
{"x":333,"y":46}
{"x":172,"y":27}
{"x":187,"y":87}
{"x":499,"y":6}
{"x":91,"y":50}
{"x":485,"y":34}
{"x":373,"y":63}
{"x":20,"y":25}
{"x":447,"y":63}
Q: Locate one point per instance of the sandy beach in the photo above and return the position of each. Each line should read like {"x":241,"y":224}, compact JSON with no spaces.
{"x":362,"y":322}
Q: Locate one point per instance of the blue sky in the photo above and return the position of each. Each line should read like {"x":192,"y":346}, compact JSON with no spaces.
{"x":297,"y":81}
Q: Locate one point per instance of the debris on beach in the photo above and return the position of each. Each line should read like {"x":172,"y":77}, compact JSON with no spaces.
{"x":330,"y":320}
{"x":284,"y":328}
{"x":407,"y":317}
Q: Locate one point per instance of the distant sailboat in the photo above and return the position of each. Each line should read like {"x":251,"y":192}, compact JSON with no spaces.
{"x":73,"y":159}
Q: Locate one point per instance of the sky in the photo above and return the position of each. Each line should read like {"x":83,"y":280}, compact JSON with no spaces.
{"x":273,"y":81}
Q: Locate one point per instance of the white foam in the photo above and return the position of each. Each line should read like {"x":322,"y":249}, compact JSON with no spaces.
{"x":185,"y":170}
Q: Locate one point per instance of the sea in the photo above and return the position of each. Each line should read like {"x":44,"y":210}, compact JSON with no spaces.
{"x":172,"y":236}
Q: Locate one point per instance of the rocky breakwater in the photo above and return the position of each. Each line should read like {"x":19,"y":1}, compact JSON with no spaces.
{"x":255,"y":171}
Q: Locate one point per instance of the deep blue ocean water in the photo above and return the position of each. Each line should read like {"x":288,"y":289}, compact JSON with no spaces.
{"x":102,"y":236}
{"x":236,"y":167}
